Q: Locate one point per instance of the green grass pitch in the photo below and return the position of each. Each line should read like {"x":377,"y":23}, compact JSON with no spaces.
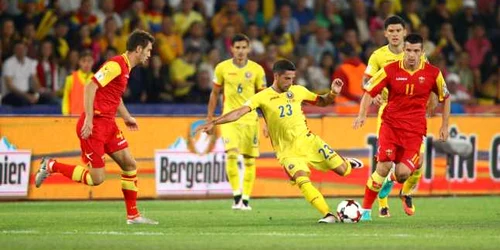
{"x":439,"y":223}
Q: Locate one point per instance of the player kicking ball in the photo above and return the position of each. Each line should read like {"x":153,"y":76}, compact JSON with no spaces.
{"x":97,"y":129}
{"x":410,"y":82}
{"x":296,"y":147}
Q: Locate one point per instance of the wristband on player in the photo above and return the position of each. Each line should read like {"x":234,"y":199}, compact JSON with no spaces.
{"x":333,"y":93}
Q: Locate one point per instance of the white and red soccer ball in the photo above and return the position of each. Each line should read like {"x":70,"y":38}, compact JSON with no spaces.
{"x":349,"y":211}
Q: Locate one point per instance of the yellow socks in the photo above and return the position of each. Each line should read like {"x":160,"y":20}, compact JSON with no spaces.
{"x":312,"y":195}
{"x":248,"y":178}
{"x":82,"y":175}
{"x":412,"y":181}
{"x":232,"y":172}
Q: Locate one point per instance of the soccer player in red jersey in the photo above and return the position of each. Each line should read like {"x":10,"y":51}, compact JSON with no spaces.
{"x":97,"y":129}
{"x":410,"y":82}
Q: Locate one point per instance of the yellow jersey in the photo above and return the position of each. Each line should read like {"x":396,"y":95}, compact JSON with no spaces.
{"x":284,"y":117}
{"x":239,"y":84}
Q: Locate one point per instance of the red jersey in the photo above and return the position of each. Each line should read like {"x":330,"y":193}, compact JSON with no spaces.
{"x":408,"y":94}
{"x":112,"y":78}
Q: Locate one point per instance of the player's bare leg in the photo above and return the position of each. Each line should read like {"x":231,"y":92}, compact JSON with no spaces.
{"x":129,"y":186}
{"x":88,"y":176}
{"x":248,"y":182}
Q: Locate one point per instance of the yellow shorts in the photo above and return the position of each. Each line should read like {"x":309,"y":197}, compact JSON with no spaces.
{"x":242,"y":137}
{"x":315,"y":152}
{"x":379,"y":123}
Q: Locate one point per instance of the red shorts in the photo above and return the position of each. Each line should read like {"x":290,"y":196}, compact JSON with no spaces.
{"x":399,"y":146}
{"x":106,"y":138}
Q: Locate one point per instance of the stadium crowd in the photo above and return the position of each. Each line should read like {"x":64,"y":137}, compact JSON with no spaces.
{"x":42,"y":41}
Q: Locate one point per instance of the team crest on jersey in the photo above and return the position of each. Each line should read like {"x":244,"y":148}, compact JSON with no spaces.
{"x":421,"y":79}
{"x":291,"y":166}
{"x":289,"y":95}
{"x":248,"y":74}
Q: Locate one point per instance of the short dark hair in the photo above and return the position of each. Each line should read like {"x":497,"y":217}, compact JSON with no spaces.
{"x":239,"y":38}
{"x":86,"y":53}
{"x":283,"y":65}
{"x":414,"y":38}
{"x":394,"y":20}
{"x":139,"y":38}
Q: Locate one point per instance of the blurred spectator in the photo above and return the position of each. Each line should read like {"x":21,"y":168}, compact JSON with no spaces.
{"x":137,"y":86}
{"x":20,"y":84}
{"x":85,"y":16}
{"x":303,"y":15}
{"x":223,"y":43}
{"x":228,"y":15}
{"x":447,"y":44}
{"x":169,"y":43}
{"x":410,"y":14}
{"x":459,"y":95}
{"x":107,"y":10}
{"x":8,"y":37}
{"x":48,"y":18}
{"x":4,"y":5}
{"x":351,"y":38}
{"x":464,"y":21}
{"x":186,"y":17}
{"x":46,"y":69}
{"x":200,"y":93}
{"x":252,"y":14}
{"x":351,"y":72}
{"x":489,"y":11}
{"x":196,"y":37}
{"x":210,"y":61}
{"x":358,"y":20}
{"x":29,"y":39}
{"x":284,"y":41}
{"x":477,"y":46}
{"x":112,"y":37}
{"x":301,"y":72}
{"x":206,"y":7}
{"x":286,"y":21}
{"x":318,"y":76}
{"x":465,"y":73}
{"x":136,"y":12}
{"x":72,"y":101}
{"x":490,"y":89}
{"x":436,"y":17}
{"x":428,"y":45}
{"x":395,"y":6}
{"x":257,"y":48}
{"x":319,"y":44}
{"x":61,"y":46}
{"x":383,"y":12}
{"x":155,"y":15}
{"x":28,"y":15}
{"x":270,"y":58}
{"x":159,"y":88}
{"x":68,"y":65}
{"x":331,"y":19}
{"x":84,"y":40}
{"x":182,"y":74}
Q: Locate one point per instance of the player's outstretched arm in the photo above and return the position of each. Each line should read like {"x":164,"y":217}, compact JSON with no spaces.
{"x":443,"y":132}
{"x":328,"y":98}
{"x":226,"y":118}
{"x":366,"y":100}
{"x":88,"y":104}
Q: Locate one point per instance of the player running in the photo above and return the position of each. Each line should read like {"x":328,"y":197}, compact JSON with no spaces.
{"x":295,"y":145}
{"x":410,"y":82}
{"x":240,"y":78}
{"x":395,"y":31}
{"x":97,"y":129}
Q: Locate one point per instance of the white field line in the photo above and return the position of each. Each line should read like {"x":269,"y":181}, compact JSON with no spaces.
{"x":273,"y":234}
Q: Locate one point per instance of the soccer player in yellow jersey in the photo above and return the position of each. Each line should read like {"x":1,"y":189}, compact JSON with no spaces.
{"x":296,"y":147}
{"x":239,"y":78}
{"x":394,"y":32}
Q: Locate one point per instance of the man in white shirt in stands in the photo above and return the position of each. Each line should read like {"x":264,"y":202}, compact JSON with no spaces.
{"x":20,"y":84}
